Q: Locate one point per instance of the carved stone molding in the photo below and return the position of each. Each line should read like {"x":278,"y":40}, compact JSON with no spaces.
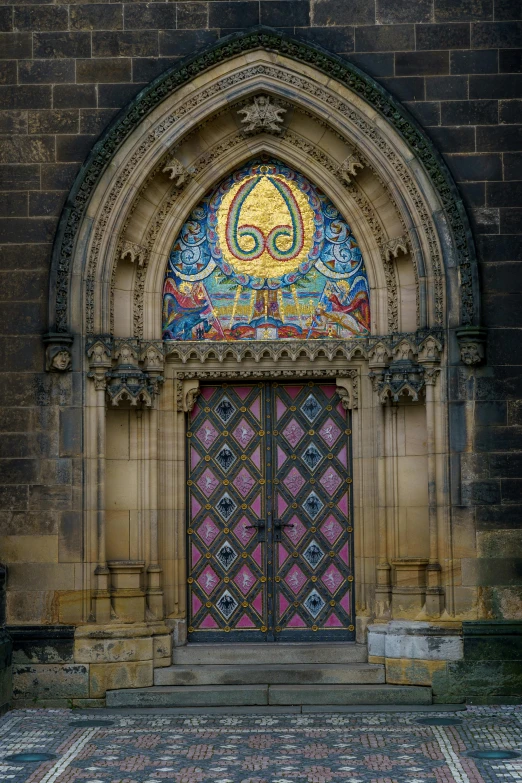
{"x":262,"y":115}
{"x":272,"y":374}
{"x":371,"y":348}
{"x":472,"y":345}
{"x":58,"y":356}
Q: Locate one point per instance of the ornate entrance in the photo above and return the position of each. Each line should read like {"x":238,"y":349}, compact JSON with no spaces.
{"x":269,"y":503}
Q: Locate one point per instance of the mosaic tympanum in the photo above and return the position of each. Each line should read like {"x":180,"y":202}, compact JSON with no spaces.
{"x":265,"y":255}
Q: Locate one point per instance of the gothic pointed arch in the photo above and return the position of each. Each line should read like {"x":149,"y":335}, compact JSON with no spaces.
{"x":326,"y":145}
{"x":365,"y":130}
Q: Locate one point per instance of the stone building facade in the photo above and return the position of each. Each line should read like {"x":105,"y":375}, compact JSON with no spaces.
{"x":117,"y":119}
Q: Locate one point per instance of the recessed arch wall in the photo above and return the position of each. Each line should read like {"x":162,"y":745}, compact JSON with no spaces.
{"x":110,"y":261}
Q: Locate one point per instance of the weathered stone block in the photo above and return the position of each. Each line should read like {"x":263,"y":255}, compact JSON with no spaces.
{"x":50,"y":681}
{"x":112,"y":650}
{"x":405,"y":671}
{"x":112,"y":676}
{"x":42,"y":644}
{"x":162,"y":646}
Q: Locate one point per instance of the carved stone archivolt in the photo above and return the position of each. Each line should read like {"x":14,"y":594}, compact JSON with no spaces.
{"x":351,"y":161}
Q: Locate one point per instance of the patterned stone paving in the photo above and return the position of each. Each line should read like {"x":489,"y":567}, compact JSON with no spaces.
{"x":267,"y":748}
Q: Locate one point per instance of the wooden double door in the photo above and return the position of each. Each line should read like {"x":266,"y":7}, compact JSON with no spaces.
{"x":270,"y":535}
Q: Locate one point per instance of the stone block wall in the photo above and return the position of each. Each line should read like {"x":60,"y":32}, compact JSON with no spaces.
{"x":65,"y":71}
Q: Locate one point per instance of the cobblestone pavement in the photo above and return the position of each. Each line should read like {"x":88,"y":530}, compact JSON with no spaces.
{"x":271,"y":748}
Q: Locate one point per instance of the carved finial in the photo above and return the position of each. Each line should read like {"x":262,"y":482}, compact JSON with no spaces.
{"x":176,"y":171}
{"x":133,"y":252}
{"x":262,"y":115}
{"x":349,"y":166}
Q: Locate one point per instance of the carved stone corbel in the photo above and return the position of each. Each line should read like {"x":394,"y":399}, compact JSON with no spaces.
{"x":379,"y":355}
{"x":99,"y":354}
{"x":187,"y":392}
{"x":58,"y":356}
{"x":472,"y":344}
{"x":429,"y":350}
{"x":348,"y":389}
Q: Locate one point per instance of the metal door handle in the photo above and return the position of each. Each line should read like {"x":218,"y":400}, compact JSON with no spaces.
{"x":280,"y":525}
{"x":257,"y":525}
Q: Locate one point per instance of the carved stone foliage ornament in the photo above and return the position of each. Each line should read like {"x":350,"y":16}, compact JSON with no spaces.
{"x":262,"y":115}
{"x":349,"y":166}
{"x":58,"y":357}
{"x":472,"y":345}
{"x":176,"y":171}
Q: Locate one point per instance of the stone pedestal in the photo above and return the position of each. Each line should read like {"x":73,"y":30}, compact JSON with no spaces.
{"x":127,"y":593}
{"x":409,"y":586}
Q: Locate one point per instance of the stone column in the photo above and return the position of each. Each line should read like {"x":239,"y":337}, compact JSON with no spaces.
{"x":434,"y":591}
{"x":378,"y":361}
{"x":154,"y":589}
{"x":153,"y":362}
{"x":100,"y":362}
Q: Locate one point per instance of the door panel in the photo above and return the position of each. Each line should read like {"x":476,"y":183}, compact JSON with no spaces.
{"x":270,"y":535}
{"x":227,"y":503}
{"x":313,"y":575}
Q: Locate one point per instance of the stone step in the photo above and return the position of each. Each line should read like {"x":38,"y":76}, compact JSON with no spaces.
{"x":271,"y":674}
{"x":277,"y":653}
{"x":159,"y":696}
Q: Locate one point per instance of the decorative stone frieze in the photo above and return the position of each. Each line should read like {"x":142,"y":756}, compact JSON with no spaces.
{"x":262,"y":115}
{"x":472,"y":344}
{"x":379,"y":350}
{"x":58,"y":356}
